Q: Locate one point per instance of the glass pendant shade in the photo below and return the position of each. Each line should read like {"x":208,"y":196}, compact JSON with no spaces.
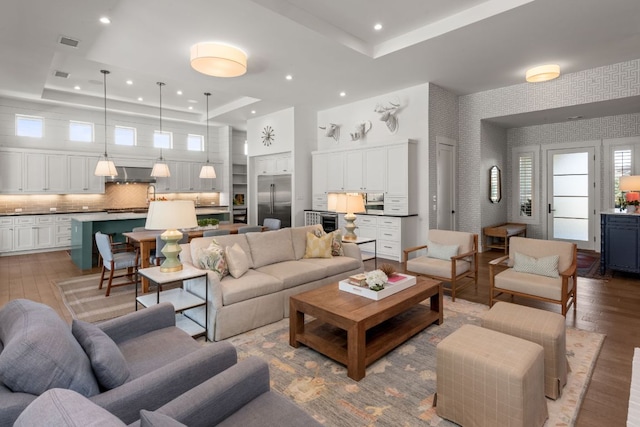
{"x":207,"y":171}
{"x":160,"y":170}
{"x":105,"y":167}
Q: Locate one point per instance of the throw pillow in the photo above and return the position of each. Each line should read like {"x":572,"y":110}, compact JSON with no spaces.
{"x":236,"y":260}
{"x":545,"y":266}
{"x":336,"y":243}
{"x":154,"y":419}
{"x":212,"y":258}
{"x":40,"y":352}
{"x":107,"y":360}
{"x":318,"y":247}
{"x":445,"y":252}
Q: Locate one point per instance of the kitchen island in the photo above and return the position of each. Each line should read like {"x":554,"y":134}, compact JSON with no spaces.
{"x":83,"y":228}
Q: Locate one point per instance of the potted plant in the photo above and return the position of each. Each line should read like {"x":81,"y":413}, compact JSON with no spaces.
{"x":208,"y":223}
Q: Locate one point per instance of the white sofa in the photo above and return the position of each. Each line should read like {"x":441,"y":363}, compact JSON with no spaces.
{"x":277,"y":270}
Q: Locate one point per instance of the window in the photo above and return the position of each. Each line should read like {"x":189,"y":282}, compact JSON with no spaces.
{"x":525,"y":196}
{"x":81,"y":131}
{"x":162,"y":139}
{"x":31,"y":126}
{"x":125,"y":136}
{"x":195,"y":142}
{"x":621,"y":167}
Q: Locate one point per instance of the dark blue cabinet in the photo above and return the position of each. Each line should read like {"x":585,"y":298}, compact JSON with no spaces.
{"x":620,"y":242}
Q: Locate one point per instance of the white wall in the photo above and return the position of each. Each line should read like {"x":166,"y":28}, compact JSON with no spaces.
{"x":282,"y":122}
{"x":413,"y":121}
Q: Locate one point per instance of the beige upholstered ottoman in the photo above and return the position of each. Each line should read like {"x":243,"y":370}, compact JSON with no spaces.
{"x":486,"y":378}
{"x":539,"y":326}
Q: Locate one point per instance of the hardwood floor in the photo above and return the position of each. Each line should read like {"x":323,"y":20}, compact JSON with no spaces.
{"x":611,"y":308}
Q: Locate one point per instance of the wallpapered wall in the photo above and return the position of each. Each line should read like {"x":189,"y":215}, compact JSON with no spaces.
{"x":599,"y":84}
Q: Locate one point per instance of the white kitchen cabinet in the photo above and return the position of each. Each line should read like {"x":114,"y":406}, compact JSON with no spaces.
{"x":273,"y":164}
{"x":170,"y":183}
{"x":62,"y":230}
{"x":206,"y":184}
{"x":397,"y":171}
{"x":23,"y":235}
{"x":319,"y":181}
{"x":283,"y":164}
{"x":11,"y":172}
{"x":81,"y":178}
{"x":365,"y":170}
{"x":45,"y":173}
{"x":43,"y":232}
{"x":335,"y":171}
{"x":6,"y":234}
{"x":34,"y":232}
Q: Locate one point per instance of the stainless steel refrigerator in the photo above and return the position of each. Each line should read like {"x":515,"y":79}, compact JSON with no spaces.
{"x":274,"y":198}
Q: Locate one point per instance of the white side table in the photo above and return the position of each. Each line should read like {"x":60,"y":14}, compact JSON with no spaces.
{"x":180,"y":298}
{"x":366,"y":256}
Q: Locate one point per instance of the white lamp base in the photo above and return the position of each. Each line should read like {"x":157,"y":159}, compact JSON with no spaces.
{"x":171,"y":251}
{"x":350,"y":227}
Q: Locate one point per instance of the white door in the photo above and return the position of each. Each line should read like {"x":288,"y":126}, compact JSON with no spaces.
{"x":571,"y":196}
{"x":446,"y":171}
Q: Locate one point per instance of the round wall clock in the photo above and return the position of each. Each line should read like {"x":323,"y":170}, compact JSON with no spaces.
{"x":268,"y":135}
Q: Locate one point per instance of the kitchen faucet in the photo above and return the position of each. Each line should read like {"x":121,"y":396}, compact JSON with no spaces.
{"x":151,"y":193}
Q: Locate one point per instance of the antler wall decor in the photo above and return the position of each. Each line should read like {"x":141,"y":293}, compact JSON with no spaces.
{"x":389,"y":115}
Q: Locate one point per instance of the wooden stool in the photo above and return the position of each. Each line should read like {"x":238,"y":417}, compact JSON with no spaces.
{"x":486,"y":378}
{"x":541,"y":327}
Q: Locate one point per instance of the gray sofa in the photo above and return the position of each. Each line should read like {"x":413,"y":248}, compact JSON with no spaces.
{"x":137,"y":361}
{"x":239,"y":396}
{"x":277,"y":270}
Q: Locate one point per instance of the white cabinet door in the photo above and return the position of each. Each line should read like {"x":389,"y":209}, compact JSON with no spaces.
{"x":398,"y":171}
{"x":375,"y":165}
{"x":81,"y":175}
{"x":35,"y":173}
{"x":95,"y":183}
{"x":43,"y":236}
{"x":335,"y":171}
{"x":319,"y":174}
{"x":10,"y":172}
{"x":353,"y":173}
{"x":283,"y":164}
{"x":265,"y":165}
{"x":6,"y":238}
{"x":57,"y":173}
{"x":23,"y":238}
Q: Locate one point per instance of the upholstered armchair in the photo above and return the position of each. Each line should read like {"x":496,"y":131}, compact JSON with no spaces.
{"x":137,"y":361}
{"x":451,"y":257}
{"x":543,"y":270}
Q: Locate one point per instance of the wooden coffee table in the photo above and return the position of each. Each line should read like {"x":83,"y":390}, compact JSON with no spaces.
{"x":356,"y":331}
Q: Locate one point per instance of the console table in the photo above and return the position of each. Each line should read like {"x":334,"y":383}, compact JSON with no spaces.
{"x":620,"y":242}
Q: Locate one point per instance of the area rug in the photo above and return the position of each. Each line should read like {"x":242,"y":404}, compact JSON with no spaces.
{"x":398,"y":389}
{"x":86,"y":302}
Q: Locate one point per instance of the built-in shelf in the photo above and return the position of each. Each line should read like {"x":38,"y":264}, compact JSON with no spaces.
{"x":239,"y":174}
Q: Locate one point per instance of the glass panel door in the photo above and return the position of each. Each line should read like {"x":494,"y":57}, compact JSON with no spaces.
{"x":571,"y":196}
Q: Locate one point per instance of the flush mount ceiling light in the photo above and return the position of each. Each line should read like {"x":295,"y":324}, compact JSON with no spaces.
{"x":218,"y":59}
{"x":543,"y":73}
{"x":105,"y":167}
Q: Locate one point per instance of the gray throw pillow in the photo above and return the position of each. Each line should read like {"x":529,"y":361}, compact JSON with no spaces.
{"x":154,"y":419}
{"x":107,"y":361}
{"x":40,"y":353}
{"x":58,"y":407}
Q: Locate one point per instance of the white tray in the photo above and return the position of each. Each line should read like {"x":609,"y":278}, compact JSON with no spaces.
{"x":389,"y":288}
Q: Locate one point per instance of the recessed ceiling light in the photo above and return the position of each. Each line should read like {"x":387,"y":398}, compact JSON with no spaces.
{"x":129,"y":82}
{"x":190,"y":107}
{"x":343,"y":93}
{"x":105,"y":20}
{"x":76,"y":87}
{"x":289,"y":77}
{"x":253,"y":111}
{"x":140,"y":98}
{"x":377,"y":27}
{"x":179,"y":92}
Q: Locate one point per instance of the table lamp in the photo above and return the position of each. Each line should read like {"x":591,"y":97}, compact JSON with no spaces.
{"x":630,"y":184}
{"x":171,"y":216}
{"x":332,"y":199}
{"x":350,"y":203}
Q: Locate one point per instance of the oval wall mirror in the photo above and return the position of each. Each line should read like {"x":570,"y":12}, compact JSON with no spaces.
{"x":495,"y":184}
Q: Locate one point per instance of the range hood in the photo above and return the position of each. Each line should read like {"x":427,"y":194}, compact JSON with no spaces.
{"x":129,"y":174}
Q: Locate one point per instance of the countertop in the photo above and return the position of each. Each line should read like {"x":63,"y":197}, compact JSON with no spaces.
{"x":102,"y":215}
{"x":374,"y":213}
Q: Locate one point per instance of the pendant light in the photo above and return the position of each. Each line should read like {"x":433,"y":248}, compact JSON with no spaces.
{"x":207,"y":170}
{"x":105,"y":167}
{"x":160,"y":168}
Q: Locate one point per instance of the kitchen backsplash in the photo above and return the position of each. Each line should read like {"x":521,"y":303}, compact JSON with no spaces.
{"x":115,"y":197}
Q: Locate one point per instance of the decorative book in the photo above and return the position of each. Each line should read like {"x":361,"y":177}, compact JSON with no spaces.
{"x":405,"y":281}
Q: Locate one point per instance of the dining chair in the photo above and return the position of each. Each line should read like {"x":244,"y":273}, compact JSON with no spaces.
{"x":249,"y":229}
{"x":272,"y":223}
{"x":116,"y":256}
{"x":209,"y":233}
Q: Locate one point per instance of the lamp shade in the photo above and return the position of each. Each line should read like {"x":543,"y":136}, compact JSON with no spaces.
{"x":175,"y":214}
{"x":105,"y":167}
{"x":160,"y":170}
{"x":629,"y":183}
{"x":542,"y":73}
{"x":218,"y":59}
{"x":332,"y":200}
{"x":207,"y":171}
{"x":350,"y":203}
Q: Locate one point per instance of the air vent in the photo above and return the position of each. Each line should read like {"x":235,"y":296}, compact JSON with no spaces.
{"x":67,"y":41}
{"x":61,"y":74}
